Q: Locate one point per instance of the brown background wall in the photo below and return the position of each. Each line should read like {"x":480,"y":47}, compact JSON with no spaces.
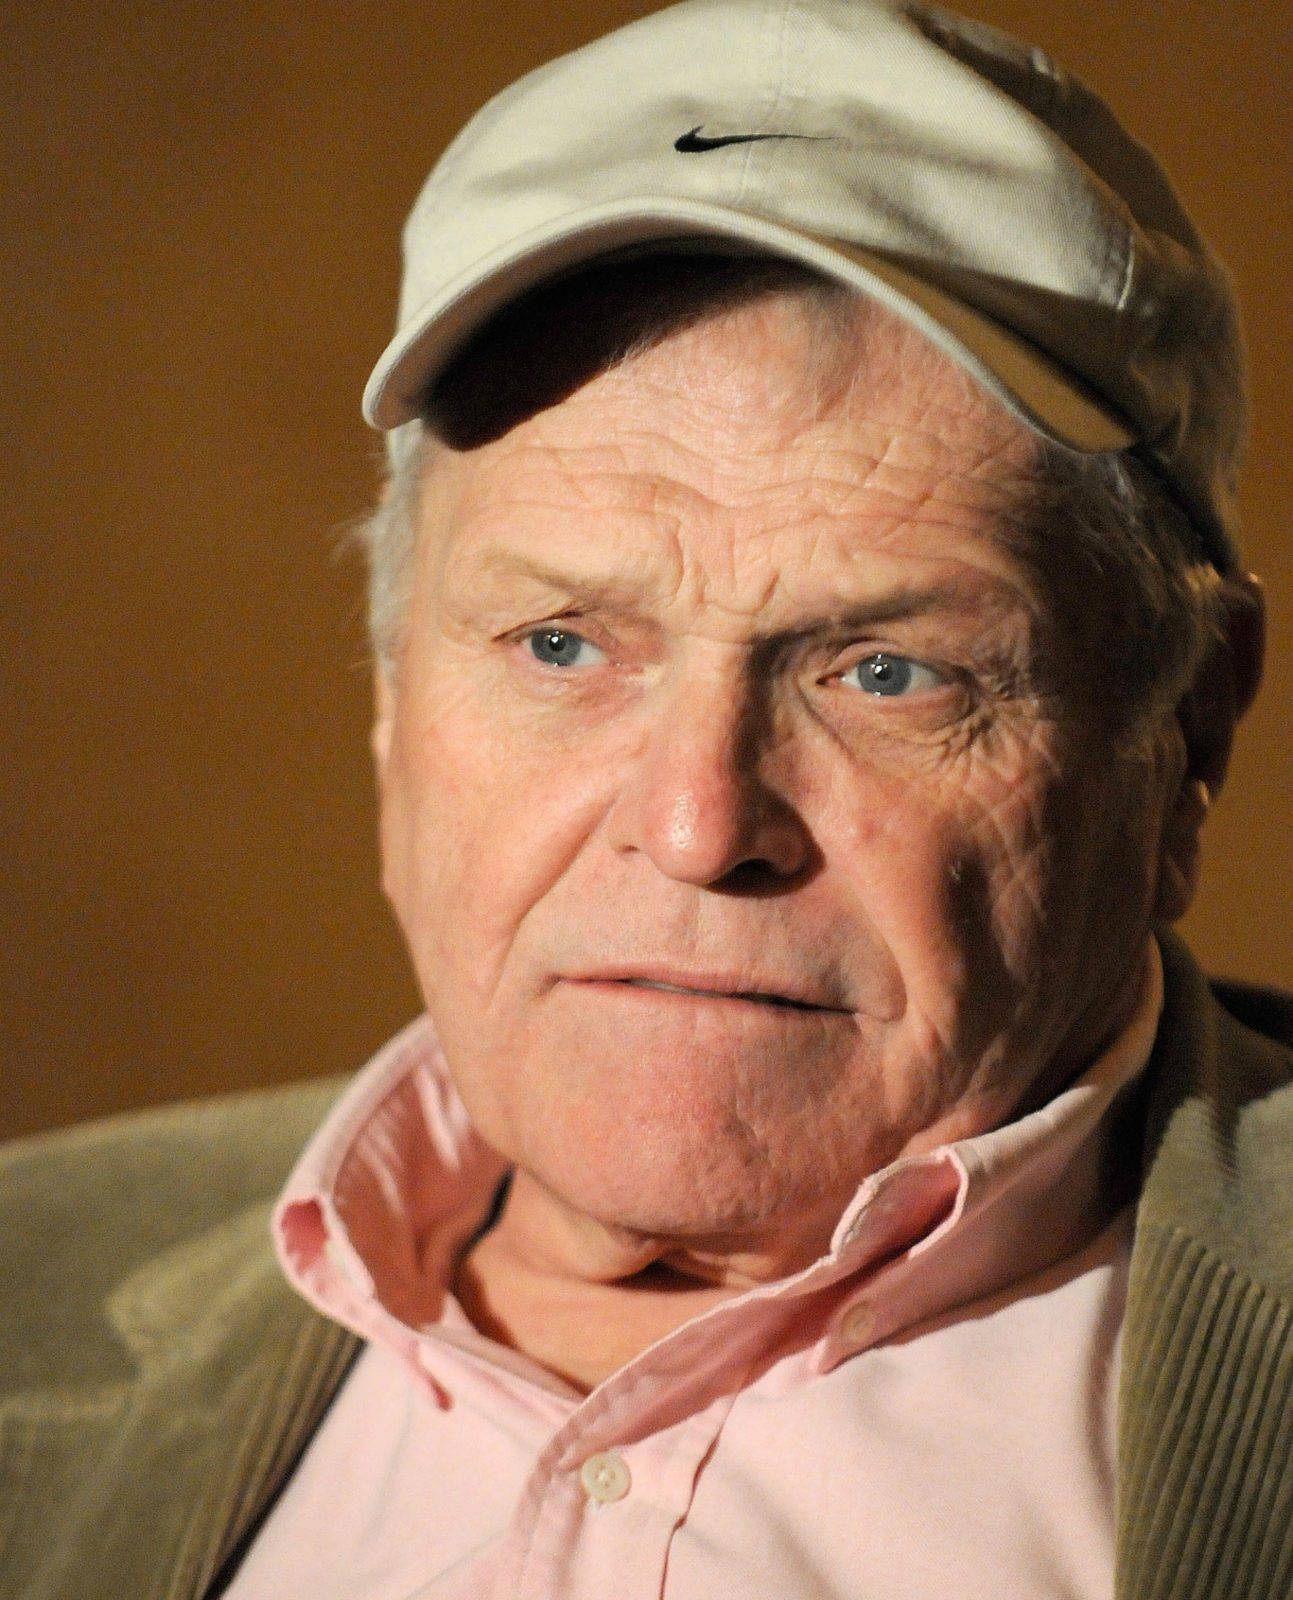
{"x":201,"y":212}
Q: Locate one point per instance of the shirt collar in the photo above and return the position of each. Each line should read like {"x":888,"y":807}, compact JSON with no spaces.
{"x":396,"y":1180}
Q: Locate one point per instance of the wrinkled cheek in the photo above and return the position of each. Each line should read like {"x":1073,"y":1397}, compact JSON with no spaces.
{"x":959,"y":889}
{"x":1001,"y":882}
{"x":436,"y":869}
{"x":1069,"y":910}
{"x":474,"y":846}
{"x":458,"y":917}
{"x":933,"y":884}
{"x":1105,"y":870}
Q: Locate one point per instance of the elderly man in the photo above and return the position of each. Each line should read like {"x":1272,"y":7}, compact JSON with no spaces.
{"x":809,"y":635}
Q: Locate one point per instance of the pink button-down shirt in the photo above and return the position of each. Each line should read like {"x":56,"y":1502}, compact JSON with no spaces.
{"x":925,"y":1411}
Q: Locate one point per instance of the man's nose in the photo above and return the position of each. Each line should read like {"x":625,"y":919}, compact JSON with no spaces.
{"x":700,"y":800}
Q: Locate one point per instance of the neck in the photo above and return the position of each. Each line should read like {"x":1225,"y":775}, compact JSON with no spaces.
{"x":582,"y":1297}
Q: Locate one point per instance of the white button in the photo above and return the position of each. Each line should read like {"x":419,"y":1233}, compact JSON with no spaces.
{"x":605,"y":1477}
{"x":858,"y":1325}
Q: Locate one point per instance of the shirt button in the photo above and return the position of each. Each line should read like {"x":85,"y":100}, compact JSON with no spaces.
{"x":858,"y":1326}
{"x":605,"y":1477}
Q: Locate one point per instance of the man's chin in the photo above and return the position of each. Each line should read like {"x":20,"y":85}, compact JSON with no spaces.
{"x":696,"y":1206}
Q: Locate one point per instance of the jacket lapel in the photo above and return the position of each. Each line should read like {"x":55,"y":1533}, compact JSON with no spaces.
{"x":234,"y":1374}
{"x":1205,"y":1469}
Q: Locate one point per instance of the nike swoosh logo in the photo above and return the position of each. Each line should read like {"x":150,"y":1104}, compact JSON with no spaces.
{"x":695,"y":142}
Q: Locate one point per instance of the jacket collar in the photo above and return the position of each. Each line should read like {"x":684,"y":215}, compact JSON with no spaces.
{"x":1205,"y":1432}
{"x":179,"y":1463}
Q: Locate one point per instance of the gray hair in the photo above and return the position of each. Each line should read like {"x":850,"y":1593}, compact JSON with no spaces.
{"x":1118,"y":529}
{"x":388,"y":536}
{"x":1123,"y":534}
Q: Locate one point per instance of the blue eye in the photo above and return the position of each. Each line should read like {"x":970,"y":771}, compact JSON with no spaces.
{"x":559,"y":647}
{"x":890,"y":676}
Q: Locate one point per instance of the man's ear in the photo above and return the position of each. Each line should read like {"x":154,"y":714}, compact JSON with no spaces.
{"x":1226,"y":682}
{"x":1223,"y":688}
{"x":379,"y":740}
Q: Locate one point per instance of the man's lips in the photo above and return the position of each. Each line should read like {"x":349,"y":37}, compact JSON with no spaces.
{"x":711,"y":986}
{"x":754,"y":996}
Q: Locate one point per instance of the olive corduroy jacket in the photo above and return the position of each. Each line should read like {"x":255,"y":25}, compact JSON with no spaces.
{"x":158,"y":1379}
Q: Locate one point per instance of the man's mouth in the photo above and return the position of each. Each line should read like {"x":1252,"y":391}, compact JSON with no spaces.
{"x":753,"y":996}
{"x":714,"y":991}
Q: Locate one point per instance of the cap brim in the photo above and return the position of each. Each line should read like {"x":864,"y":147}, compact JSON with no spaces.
{"x":1036,"y":389}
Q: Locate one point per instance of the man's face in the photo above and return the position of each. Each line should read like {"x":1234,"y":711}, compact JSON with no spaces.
{"x":753,"y":814}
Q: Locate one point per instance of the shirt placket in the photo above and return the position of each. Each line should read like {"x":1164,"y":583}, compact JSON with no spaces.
{"x":605,"y":1498}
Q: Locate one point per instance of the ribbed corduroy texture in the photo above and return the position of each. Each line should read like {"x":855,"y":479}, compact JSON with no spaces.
{"x":178,"y":1377}
{"x":1206,"y":1508}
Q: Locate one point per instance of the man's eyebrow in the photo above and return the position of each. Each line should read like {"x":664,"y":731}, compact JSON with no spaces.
{"x":900,"y":601}
{"x":601,"y":587}
{"x":836,"y":615}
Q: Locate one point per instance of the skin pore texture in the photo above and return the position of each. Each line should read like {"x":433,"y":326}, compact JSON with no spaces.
{"x":754,"y":814}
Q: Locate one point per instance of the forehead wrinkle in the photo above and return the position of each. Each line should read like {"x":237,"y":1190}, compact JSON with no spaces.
{"x":973,"y":457}
{"x":769,"y":361}
{"x":901,"y":399}
{"x":771,"y":364}
{"x":684,"y":489}
{"x":833,"y":606}
{"x":926,"y":450}
{"x":672,"y":544}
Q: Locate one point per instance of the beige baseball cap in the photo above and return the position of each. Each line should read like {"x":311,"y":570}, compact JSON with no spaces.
{"x":956,"y":175}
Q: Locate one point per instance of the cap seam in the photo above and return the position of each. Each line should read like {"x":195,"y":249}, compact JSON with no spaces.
{"x":767,"y":118}
{"x":1128,"y":265}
